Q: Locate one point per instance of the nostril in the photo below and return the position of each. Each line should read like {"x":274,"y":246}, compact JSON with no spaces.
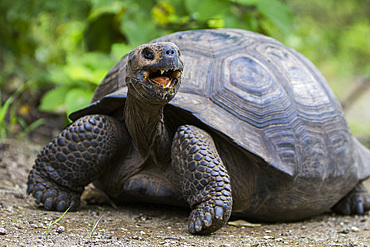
{"x":170,"y":52}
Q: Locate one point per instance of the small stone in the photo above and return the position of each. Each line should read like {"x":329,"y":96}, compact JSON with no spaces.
{"x":61,"y":229}
{"x":2,"y":231}
{"x":33,"y":226}
{"x":355,"y":229}
{"x":344,"y":231}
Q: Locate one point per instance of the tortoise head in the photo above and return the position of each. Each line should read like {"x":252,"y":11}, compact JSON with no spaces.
{"x":154,"y":72}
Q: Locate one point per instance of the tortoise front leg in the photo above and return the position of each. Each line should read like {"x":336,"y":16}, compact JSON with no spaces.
{"x":204,"y":180}
{"x":75,"y":158}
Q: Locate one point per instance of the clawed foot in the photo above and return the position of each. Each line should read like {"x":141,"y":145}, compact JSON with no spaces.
{"x":206,"y":218}
{"x":51,"y":195}
{"x":356,"y":202}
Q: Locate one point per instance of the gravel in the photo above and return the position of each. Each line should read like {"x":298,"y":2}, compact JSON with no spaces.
{"x":24,"y":224}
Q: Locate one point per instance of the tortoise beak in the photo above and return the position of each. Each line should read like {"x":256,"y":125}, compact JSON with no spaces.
{"x":163,"y":78}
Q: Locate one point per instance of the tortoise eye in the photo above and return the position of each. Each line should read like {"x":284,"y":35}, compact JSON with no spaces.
{"x":148,"y":54}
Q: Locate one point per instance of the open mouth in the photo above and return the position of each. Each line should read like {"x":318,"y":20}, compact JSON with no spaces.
{"x":163,"y":78}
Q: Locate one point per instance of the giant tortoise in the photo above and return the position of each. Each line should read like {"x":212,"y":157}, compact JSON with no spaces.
{"x":219,"y":120}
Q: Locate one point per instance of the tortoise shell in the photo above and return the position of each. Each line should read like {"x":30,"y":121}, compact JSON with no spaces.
{"x":264,"y":98}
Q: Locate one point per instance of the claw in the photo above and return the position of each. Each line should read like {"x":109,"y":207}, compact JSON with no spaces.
{"x":198,"y":225}
{"x":219,"y":212}
{"x":38,"y":197}
{"x":62,"y":206}
{"x":356,"y":202}
{"x":30,"y":189}
{"x":48,"y":204}
{"x":360,"y":208}
{"x":208,"y":219}
{"x":191,"y":228}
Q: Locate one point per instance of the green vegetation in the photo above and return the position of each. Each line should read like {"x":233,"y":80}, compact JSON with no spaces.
{"x":66,"y":47}
{"x":56,"y":221}
{"x":9,"y":108}
{"x":334,"y":34}
{"x":94,"y":226}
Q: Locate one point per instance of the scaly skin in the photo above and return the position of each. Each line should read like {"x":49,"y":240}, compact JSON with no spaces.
{"x":203,"y":178}
{"x":74,"y":159}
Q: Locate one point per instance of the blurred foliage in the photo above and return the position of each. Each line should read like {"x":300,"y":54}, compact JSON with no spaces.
{"x":15,"y":120}
{"x":67,"y":46}
{"x":334,"y":34}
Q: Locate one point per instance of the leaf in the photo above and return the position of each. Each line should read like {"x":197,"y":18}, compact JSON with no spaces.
{"x":216,"y":23}
{"x":138,"y":32}
{"x":70,"y":34}
{"x":277,"y":12}
{"x":101,"y":7}
{"x":4,"y":108}
{"x":58,"y":76}
{"x":192,"y":5}
{"x":137,"y":24}
{"x":91,"y":67}
{"x":28,"y":128}
{"x":242,"y":223}
{"x":207,"y":9}
{"x":76,"y":99}
{"x":118,"y":50}
{"x":162,"y":13}
{"x":53,"y":100}
{"x":96,"y":60}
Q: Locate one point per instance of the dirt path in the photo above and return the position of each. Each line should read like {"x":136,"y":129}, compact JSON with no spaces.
{"x":23,"y":224}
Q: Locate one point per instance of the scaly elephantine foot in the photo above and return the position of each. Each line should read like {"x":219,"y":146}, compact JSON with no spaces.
{"x":51,"y":195}
{"x":356,"y":202}
{"x":203,"y":178}
{"x":208,"y":217}
{"x":72,"y":160}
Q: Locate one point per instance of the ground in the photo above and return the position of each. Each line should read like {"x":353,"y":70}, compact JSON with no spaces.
{"x":24,"y":224}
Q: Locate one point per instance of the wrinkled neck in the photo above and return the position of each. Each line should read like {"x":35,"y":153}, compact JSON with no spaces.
{"x":145,"y":124}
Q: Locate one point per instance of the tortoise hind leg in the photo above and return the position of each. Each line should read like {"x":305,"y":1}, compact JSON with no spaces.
{"x":356,"y":202}
{"x":204,"y":180}
{"x":73,"y":159}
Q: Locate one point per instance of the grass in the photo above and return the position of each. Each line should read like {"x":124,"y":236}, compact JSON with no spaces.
{"x":56,"y":221}
{"x":8,"y":106}
{"x":93,"y":228}
{"x":3,"y":110}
